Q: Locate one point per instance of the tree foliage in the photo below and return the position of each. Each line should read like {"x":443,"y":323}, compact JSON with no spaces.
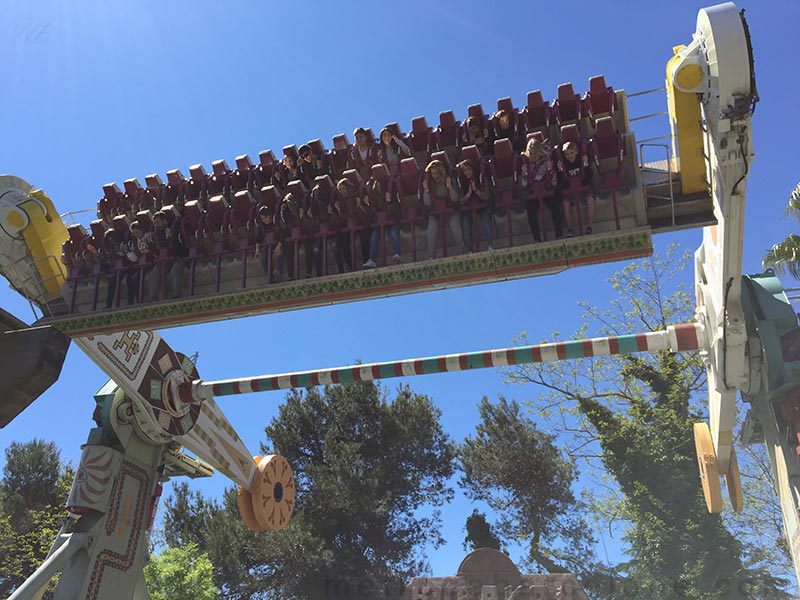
{"x":520,"y":473}
{"x":785,"y":256}
{"x":33,"y":492}
{"x":370,"y":474}
{"x":480,"y":534}
{"x":629,"y":420}
{"x":180,"y":574}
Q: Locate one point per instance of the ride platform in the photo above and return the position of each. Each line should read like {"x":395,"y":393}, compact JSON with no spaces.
{"x":515,"y":262}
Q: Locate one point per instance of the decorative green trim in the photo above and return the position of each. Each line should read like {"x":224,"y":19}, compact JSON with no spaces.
{"x":466,"y":269}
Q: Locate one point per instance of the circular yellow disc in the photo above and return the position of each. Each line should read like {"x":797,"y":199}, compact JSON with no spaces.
{"x":689,"y":76}
{"x":707,"y":463}
{"x":733,"y":482}
{"x":245,"y":500}
{"x":273,"y":492}
{"x":16,"y":219}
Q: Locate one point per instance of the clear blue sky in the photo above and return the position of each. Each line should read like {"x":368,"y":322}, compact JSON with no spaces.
{"x":112,"y":90}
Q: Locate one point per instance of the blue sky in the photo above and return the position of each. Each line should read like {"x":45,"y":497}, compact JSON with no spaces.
{"x":115,"y":90}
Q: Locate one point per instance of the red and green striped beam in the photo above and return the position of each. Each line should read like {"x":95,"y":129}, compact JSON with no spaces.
{"x":677,"y":338}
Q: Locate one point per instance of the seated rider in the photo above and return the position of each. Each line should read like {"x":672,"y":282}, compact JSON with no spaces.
{"x":538,"y":180}
{"x":576,"y":185}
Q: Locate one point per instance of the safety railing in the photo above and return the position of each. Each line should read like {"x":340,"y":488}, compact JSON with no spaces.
{"x":645,"y":170}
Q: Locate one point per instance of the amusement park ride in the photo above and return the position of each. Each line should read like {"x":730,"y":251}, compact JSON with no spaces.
{"x":155,"y":404}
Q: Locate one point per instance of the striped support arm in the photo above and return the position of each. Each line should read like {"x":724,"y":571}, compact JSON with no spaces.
{"x":677,"y":338}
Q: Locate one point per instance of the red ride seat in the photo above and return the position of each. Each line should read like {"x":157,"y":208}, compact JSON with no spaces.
{"x":72,"y":255}
{"x":270,"y":197}
{"x":409,"y":182}
{"x":291,"y":150}
{"x":197,"y":188}
{"x":567,"y":107}
{"x":243,"y":177}
{"x":339,"y":154}
{"x":420,"y":139}
{"x":267,"y":163}
{"x":447,"y":134}
{"x":355,"y":179}
{"x":177,"y":187}
{"x":516,"y":121}
{"x":324,"y":183}
{"x":220,"y":180}
{"x":601,"y":101}
{"x":317,"y":147}
{"x":473,"y":154}
{"x":608,"y":154}
{"x":73,"y":248}
{"x":242,"y":226}
{"x":443,"y":158}
{"x":217,"y":228}
{"x":570,"y":133}
{"x":537,"y":113}
{"x":504,"y":163}
{"x":109,"y":205}
{"x":394,"y":128}
{"x":193,"y":229}
{"x":134,"y":195}
{"x":506,"y":105}
{"x":476,"y":110}
{"x":122,"y":224}
{"x":319,"y":151}
{"x":156,"y":192}
{"x":299,"y":190}
{"x":504,"y":168}
{"x":240,"y":217}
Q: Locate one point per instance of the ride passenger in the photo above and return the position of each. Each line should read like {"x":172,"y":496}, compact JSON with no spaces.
{"x":363,"y":154}
{"x":392,"y":150}
{"x":288,"y":218}
{"x":266,"y":226}
{"x":114,"y":249}
{"x":505,"y":128}
{"x":309,"y":219}
{"x":340,"y":240}
{"x":366,"y":214}
{"x":358,"y":206}
{"x":167,"y":238}
{"x":311,"y":166}
{"x":476,"y":134}
{"x":144,"y":244}
{"x":537,"y":170}
{"x":474,"y":192}
{"x":286,"y":171}
{"x":384,"y":195}
{"x":575,"y":167}
{"x":440,"y":197}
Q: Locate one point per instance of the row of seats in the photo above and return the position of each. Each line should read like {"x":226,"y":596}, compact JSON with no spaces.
{"x":224,"y":226}
{"x":537,"y":116}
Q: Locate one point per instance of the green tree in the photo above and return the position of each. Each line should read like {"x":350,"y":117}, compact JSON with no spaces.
{"x":180,"y":574}
{"x":629,"y":421}
{"x":371,"y":476}
{"x":519,"y":472}
{"x":33,"y":492}
{"x":480,"y":534}
{"x":785,"y":256}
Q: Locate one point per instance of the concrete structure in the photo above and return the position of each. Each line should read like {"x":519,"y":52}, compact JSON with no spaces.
{"x":488,"y":574}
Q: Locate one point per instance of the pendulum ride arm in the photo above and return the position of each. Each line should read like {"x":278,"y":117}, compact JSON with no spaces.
{"x":714,"y":73}
{"x":142,"y":425}
{"x":151,"y":373}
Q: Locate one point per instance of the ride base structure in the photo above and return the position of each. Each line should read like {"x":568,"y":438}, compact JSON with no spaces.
{"x":156,"y":404}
